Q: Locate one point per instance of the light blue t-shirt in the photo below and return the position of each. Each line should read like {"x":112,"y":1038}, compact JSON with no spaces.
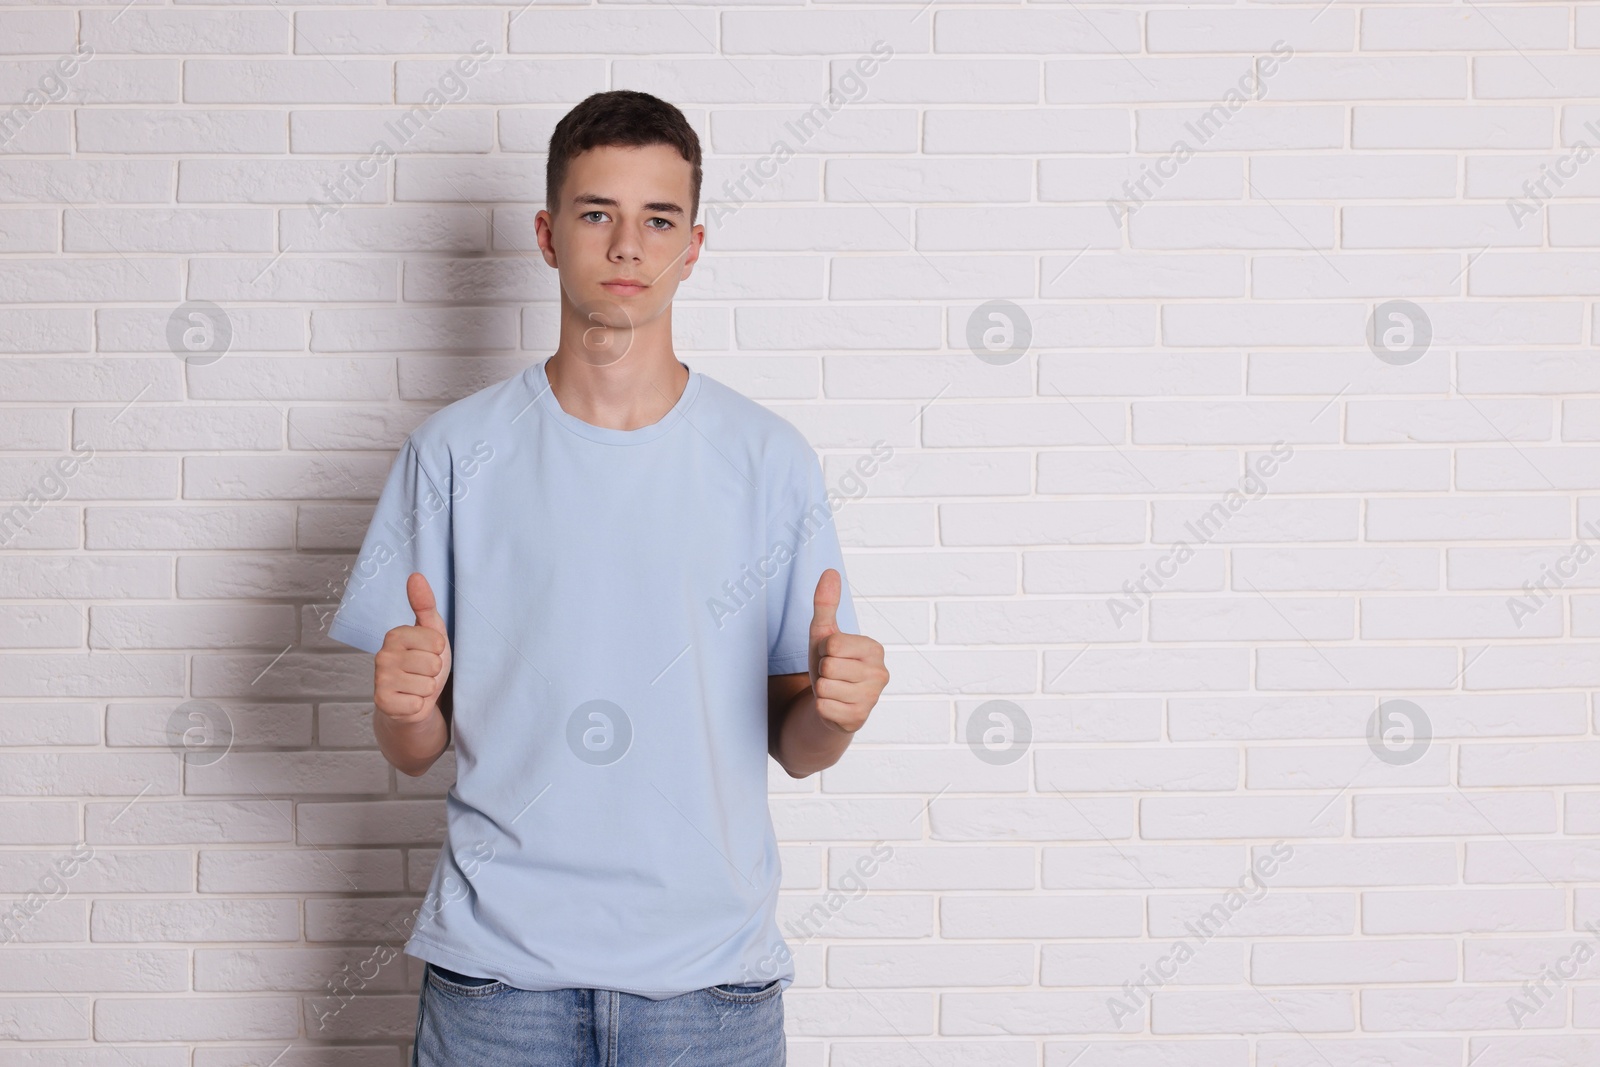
{"x":615,"y":600}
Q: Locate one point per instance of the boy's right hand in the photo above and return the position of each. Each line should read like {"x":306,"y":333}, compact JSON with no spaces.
{"x":411,"y":668}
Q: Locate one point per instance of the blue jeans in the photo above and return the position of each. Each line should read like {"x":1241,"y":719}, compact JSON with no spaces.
{"x":465,"y":1021}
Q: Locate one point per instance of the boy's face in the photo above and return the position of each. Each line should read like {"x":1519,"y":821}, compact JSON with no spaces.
{"x":623,"y":214}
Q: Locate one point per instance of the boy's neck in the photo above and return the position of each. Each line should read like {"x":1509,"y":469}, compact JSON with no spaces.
{"x":625,"y":394}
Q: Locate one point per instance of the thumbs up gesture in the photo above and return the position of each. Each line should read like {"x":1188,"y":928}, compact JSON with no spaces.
{"x":847,"y":671}
{"x":414,"y":663}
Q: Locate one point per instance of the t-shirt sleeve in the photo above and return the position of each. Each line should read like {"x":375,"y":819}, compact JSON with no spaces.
{"x":801,"y":521}
{"x":410,"y":531}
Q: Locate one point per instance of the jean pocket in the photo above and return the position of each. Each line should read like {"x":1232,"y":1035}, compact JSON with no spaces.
{"x":463,"y":985}
{"x":746,"y":992}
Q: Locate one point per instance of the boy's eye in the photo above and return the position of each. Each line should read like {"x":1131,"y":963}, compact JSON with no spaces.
{"x":658,"y":218}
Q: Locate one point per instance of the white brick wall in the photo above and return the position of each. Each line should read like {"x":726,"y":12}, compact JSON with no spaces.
{"x":1171,"y":729}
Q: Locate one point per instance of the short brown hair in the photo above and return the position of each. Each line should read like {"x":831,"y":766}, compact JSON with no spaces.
{"x":620,"y":117}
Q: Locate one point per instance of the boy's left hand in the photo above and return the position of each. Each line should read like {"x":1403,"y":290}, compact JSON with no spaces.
{"x":847,"y":671}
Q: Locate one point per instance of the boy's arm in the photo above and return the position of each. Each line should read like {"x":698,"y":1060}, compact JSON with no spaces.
{"x":413,"y":747}
{"x":797,"y":737}
{"x":412,"y":686}
{"x":812,"y":717}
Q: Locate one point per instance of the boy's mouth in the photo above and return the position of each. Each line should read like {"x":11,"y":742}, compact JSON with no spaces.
{"x":622,"y":287}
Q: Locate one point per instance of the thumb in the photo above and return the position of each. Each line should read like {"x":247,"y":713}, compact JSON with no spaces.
{"x":420,"y":594}
{"x":825,"y":605}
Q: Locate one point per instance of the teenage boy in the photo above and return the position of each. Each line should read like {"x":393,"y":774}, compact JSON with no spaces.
{"x":578,"y":574}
